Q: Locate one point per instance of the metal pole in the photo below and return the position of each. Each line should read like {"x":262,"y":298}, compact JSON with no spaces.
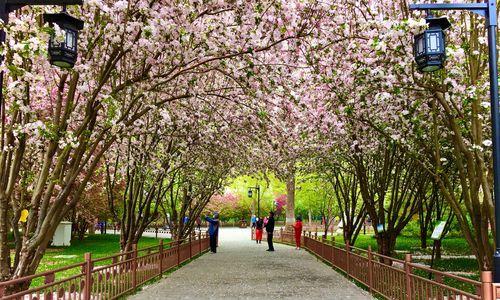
{"x":493,"y":66}
{"x":258,"y":201}
{"x":489,"y":11}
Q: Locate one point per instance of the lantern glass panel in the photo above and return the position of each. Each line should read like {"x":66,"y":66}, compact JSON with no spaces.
{"x":434,"y":42}
{"x":70,"y":40}
{"x":250,"y":193}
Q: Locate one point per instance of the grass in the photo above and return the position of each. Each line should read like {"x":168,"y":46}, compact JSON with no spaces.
{"x":450,"y":246}
{"x":99,"y":245}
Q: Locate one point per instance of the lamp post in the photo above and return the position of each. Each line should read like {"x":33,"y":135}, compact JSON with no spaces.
{"x":488,"y":10}
{"x":250,"y":194}
{"x":64,"y":51}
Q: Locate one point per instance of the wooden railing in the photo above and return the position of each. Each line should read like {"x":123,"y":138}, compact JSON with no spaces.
{"x":108,"y":277}
{"x":393,"y":278}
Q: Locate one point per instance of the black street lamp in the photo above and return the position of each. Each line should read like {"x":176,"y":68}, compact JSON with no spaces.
{"x":488,"y":10}
{"x":67,"y":23}
{"x":429,"y":47}
{"x":64,"y":58}
{"x":63,"y":50}
{"x":250,"y":194}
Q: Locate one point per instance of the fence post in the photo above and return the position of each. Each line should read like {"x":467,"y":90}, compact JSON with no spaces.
{"x":134,"y":265}
{"x":439,"y":279}
{"x":49,"y":278}
{"x":408,"y":276}
{"x":199,"y":240}
{"x":370,"y":269}
{"x":190,"y":247}
{"x":487,"y":285}
{"x":323,"y":246}
{"x":347,"y":250}
{"x":333,"y":253}
{"x":178,"y":252}
{"x":87,"y":289}
{"x":160,"y":251}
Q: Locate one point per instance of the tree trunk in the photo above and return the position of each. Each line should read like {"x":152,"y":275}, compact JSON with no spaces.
{"x":290,"y":200}
{"x":438,"y":249}
{"x":29,"y":260}
{"x":423,"y":237}
{"x":423,"y":226}
{"x":386,"y":243}
{"x":4,"y":244}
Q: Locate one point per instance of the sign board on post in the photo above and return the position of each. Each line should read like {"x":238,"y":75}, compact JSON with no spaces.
{"x":438,"y":230}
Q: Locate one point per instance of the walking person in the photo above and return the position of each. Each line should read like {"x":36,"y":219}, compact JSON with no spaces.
{"x":298,"y":231}
{"x":213,"y":231}
{"x":259,"y":226}
{"x":253,"y":220}
{"x":270,"y":231}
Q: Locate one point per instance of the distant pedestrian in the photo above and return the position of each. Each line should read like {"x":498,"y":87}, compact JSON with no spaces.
{"x":101,"y":227}
{"x":298,"y":231}
{"x":213,"y":231}
{"x":265,"y":221}
{"x":253,"y":220}
{"x":259,"y":226}
{"x":270,"y":231}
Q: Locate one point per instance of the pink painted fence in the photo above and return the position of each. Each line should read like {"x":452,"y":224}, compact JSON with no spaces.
{"x":108,"y":277}
{"x":393,"y":278}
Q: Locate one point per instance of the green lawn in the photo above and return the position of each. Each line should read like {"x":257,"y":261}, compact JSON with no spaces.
{"x":99,"y":245}
{"x":450,"y":246}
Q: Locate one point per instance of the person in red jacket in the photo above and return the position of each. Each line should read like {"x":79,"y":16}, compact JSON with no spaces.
{"x":259,"y":225}
{"x":298,"y":231}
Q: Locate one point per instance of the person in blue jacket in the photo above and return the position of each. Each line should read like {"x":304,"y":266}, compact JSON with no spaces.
{"x":213,"y":231}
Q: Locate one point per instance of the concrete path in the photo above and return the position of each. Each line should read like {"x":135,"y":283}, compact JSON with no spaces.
{"x":242,"y":269}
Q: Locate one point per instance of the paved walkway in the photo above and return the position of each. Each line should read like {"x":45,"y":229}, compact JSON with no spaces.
{"x":242,"y":269}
